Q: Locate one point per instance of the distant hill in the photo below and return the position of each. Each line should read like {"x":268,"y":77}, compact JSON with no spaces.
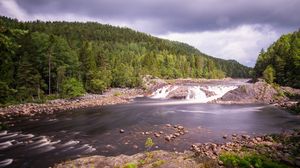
{"x":42,"y":57}
{"x":281,"y":62}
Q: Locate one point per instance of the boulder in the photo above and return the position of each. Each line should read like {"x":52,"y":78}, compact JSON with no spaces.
{"x":178,"y":93}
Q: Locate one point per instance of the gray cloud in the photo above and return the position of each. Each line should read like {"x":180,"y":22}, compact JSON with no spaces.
{"x":177,"y":15}
{"x":229,"y":29}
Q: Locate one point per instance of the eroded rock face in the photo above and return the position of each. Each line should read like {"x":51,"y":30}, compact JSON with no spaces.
{"x":259,"y":92}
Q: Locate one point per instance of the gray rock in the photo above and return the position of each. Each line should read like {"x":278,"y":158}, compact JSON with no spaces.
{"x":168,"y":138}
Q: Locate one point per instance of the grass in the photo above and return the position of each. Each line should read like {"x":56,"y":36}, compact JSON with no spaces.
{"x":249,"y":160}
{"x":130,"y":165}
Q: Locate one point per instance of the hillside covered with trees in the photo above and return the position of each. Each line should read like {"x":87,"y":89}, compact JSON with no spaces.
{"x":281,"y":62}
{"x":66,"y":59}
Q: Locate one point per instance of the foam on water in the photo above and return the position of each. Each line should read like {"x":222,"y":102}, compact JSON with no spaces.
{"x":2,"y":133}
{"x":6,"y":144}
{"x":32,"y":146}
{"x":163,"y":92}
{"x":5,"y":162}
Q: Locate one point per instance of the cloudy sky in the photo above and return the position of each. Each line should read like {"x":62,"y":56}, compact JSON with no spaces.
{"x":229,"y":29}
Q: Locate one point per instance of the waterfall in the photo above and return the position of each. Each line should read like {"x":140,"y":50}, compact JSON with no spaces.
{"x":195,"y":93}
{"x":163,"y":92}
{"x":201,"y":94}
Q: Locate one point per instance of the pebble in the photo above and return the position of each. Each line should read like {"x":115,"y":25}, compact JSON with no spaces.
{"x":122,"y":131}
{"x":258,"y":139}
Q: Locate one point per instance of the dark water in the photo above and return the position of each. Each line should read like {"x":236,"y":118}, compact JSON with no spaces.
{"x":44,"y":141}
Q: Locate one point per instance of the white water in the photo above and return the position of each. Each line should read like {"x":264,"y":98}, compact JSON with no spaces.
{"x":195,"y":93}
{"x":163,"y":92}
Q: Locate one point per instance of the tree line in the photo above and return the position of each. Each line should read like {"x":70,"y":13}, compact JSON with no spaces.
{"x":280,"y":63}
{"x":66,"y":59}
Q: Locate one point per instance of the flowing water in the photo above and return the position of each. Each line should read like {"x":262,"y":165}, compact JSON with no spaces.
{"x":45,"y":140}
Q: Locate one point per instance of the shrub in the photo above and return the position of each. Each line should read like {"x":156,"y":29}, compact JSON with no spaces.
{"x":97,"y":86}
{"x":249,"y":160}
{"x":72,"y":88}
{"x":149,"y":143}
{"x":269,"y":74}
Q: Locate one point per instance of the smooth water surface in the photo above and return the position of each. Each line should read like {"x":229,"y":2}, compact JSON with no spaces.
{"x":46,"y":140}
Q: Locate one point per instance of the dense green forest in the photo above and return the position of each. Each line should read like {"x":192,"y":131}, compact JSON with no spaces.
{"x":281,"y":62}
{"x":66,"y":59}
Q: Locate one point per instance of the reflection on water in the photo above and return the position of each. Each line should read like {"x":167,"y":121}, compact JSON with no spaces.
{"x":46,"y":140}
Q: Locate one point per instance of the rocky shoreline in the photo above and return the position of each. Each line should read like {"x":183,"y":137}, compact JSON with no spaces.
{"x":112,"y":96}
{"x":277,"y":149}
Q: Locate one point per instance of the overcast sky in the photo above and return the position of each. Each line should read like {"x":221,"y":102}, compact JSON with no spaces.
{"x":229,"y":29}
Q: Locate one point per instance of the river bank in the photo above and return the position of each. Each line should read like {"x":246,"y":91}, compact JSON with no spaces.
{"x":112,"y":96}
{"x":276,"y":150}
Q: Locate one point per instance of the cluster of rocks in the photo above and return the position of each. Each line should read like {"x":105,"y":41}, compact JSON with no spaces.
{"x":179,"y":130}
{"x":283,"y":148}
{"x":31,"y":109}
{"x":175,"y":132}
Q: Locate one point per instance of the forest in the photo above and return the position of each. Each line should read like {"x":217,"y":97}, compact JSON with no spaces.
{"x":281,"y":62}
{"x":42,"y":60}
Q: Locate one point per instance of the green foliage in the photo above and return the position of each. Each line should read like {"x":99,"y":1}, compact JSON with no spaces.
{"x":249,"y":160}
{"x":72,"y":88}
{"x":97,"y":86}
{"x":6,"y":93}
{"x":269,"y":74}
{"x":281,"y":62}
{"x":130,"y":165}
{"x":149,"y":143}
{"x":37,"y":58}
{"x":280,"y":92}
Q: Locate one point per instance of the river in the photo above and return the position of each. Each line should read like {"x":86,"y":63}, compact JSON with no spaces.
{"x":45,"y":140}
